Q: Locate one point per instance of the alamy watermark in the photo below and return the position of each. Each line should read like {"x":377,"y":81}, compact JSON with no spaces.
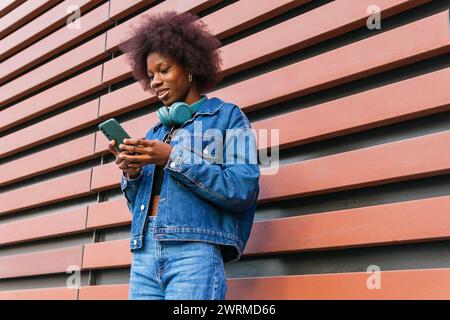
{"x":374,"y":20}
{"x":237,"y":146}
{"x":73,"y":21}
{"x":74,"y":280}
{"x":374,"y":280}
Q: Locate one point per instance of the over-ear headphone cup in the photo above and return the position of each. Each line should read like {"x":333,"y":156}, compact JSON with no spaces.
{"x":180,"y":112}
{"x":164,"y":117}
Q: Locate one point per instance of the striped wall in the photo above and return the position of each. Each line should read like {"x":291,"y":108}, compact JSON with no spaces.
{"x":360,"y":205}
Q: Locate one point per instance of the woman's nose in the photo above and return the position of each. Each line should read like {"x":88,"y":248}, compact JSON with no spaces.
{"x":156,"y":81}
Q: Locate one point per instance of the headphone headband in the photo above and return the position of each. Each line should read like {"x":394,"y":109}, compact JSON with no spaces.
{"x":196,"y":105}
{"x":179,"y":112}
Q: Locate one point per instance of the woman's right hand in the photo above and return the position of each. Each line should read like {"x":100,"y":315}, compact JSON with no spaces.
{"x":133,"y":170}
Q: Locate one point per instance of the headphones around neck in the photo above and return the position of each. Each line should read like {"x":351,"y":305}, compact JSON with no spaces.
{"x":178,"y":113}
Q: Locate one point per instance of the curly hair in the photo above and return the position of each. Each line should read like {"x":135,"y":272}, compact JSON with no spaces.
{"x":183,"y":38}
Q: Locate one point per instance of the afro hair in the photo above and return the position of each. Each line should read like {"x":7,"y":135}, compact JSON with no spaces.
{"x":183,"y":38}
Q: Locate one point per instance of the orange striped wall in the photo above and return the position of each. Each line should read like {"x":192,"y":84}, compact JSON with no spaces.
{"x":363,"y":114}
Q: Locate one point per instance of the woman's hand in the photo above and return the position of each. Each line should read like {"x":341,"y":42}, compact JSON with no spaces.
{"x":131,"y":171}
{"x":149,"y":152}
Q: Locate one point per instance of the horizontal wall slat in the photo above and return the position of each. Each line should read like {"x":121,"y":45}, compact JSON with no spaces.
{"x":66,"y":223}
{"x":413,"y":42}
{"x":400,"y":101}
{"x":394,"y":223}
{"x":47,"y":130}
{"x":113,"y":96}
{"x":100,"y":214}
{"x":120,"y":9}
{"x":395,"y":285}
{"x":40,"y":294}
{"x":7,"y":6}
{"x":39,"y":263}
{"x":245,"y":14}
{"x":438,"y":100}
{"x":49,"y":225}
{"x":24,"y":14}
{"x":107,"y":254}
{"x":433,"y":159}
{"x":122,"y":31}
{"x":342,"y":17}
{"x":53,"y":98}
{"x":396,"y":102}
{"x":64,"y":65}
{"x":47,"y":192}
{"x":409,"y":221}
{"x":93,"y":22}
{"x":407,"y":159}
{"x":405,"y":45}
{"x":104,"y":292}
{"x":41,"y":26}
{"x":51,"y":159}
{"x":218,"y":22}
{"x":70,"y":62}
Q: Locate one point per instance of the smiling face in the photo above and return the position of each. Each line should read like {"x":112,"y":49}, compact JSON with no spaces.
{"x":170,"y":80}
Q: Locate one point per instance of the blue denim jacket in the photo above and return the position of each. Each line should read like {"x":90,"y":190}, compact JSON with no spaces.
{"x":202,"y":198}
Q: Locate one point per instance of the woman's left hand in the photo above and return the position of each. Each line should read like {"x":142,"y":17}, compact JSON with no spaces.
{"x":148,"y":152}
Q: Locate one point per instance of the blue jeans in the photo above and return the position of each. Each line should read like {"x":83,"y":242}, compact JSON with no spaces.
{"x":176,"y":270}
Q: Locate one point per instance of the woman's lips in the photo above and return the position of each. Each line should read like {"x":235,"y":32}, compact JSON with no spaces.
{"x":163,"y":94}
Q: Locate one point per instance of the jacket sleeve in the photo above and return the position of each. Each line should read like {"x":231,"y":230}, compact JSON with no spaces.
{"x":233,"y":183}
{"x":130,"y":189}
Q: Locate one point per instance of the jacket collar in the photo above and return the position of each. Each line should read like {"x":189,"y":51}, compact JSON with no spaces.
{"x":207,"y":107}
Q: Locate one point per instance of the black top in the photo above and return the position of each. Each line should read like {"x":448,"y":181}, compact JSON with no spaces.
{"x":159,"y":174}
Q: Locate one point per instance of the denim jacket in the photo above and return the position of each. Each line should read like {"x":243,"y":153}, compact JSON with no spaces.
{"x":202,"y":198}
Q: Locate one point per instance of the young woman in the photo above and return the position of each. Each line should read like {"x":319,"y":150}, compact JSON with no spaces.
{"x":192,"y":203}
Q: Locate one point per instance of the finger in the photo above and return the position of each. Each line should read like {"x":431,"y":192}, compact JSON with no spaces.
{"x":130,"y":158}
{"x":130,"y":141}
{"x":111,"y":148}
{"x":119,"y":160}
{"x":140,"y":150}
{"x":135,"y":165}
{"x":126,"y":156}
{"x":124,"y":165}
{"x":141,"y":141}
{"x":123,"y":147}
{"x":130,"y":149}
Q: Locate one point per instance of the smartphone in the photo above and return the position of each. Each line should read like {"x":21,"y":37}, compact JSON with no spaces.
{"x":114,"y":131}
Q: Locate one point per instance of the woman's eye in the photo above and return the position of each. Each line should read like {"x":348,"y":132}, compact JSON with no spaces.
{"x":163,"y":71}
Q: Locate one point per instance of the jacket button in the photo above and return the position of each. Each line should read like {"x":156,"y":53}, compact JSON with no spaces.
{"x":135,"y":242}
{"x":142,"y":207}
{"x":172,"y":165}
